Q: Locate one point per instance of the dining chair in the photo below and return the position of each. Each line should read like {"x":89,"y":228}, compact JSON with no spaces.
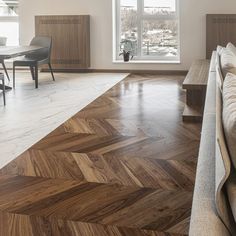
{"x":3,"y":88}
{"x":3,"y":42}
{"x":36,"y":59}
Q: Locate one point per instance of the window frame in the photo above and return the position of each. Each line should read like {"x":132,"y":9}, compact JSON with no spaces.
{"x":15,"y":19}
{"x":141,"y":16}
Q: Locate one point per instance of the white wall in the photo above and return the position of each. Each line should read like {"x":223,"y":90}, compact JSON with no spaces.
{"x":192,"y":21}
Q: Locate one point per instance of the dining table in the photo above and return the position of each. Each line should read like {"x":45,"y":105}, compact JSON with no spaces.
{"x":9,"y":52}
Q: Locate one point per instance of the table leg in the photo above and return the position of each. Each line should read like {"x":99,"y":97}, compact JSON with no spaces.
{"x":4,"y":93}
{"x":36,"y":76}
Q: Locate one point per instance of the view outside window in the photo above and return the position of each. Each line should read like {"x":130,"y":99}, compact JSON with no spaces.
{"x":151,"y":27}
{"x":129,"y":24}
{"x":160,"y":7}
{"x":9,"y":25}
{"x":160,"y":37}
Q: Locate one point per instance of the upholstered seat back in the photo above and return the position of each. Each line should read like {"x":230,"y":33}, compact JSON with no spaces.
{"x":43,"y":54}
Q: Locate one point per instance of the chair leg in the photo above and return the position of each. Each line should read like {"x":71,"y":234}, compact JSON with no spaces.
{"x":14,"y":76}
{"x":36,"y":76}
{"x":5,"y":69}
{"x":4,"y":92}
{"x":50,"y":67}
{"x":32,"y":72}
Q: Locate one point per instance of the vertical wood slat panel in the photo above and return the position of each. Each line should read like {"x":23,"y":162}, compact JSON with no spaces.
{"x":71,"y":39}
{"x":221,"y":29}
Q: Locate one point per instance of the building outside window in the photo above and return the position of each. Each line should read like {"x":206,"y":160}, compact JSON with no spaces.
{"x":150,"y":27}
{"x":9,"y":21}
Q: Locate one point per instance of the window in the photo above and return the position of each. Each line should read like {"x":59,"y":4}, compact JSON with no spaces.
{"x":9,"y":25}
{"x":147,"y":28}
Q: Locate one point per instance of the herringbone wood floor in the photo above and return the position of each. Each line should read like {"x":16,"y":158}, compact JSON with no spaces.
{"x":123,"y":166}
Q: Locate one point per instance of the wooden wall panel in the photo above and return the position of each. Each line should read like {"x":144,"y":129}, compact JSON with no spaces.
{"x":221,"y":29}
{"x":71,"y":39}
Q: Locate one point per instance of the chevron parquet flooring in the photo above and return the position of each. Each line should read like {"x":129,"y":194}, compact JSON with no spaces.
{"x":124,"y":165}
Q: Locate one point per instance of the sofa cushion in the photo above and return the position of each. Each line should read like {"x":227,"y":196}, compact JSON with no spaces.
{"x":219,"y":49}
{"x":231,"y":47}
{"x":229,"y":114}
{"x":231,"y":191}
{"x":222,"y":168}
{"x":228,"y":62}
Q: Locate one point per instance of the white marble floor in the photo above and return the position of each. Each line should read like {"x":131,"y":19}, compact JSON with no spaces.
{"x":31,"y":114}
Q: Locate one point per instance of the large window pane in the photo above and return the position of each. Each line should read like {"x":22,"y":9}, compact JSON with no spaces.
{"x":9,"y":26}
{"x":160,"y":7}
{"x":160,"y":38}
{"x":148,"y":28}
{"x":8,"y":7}
{"x":128,"y":27}
{"x":10,"y":30}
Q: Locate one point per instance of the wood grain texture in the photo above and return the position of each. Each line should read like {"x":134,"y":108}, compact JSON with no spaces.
{"x":123,"y":166}
{"x":195,"y":84}
{"x":197,"y":76}
{"x":71,"y":39}
{"x":220,"y":29}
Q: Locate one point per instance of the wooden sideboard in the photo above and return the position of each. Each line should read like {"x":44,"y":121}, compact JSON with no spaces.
{"x":195,"y":84}
{"x":71,"y":39}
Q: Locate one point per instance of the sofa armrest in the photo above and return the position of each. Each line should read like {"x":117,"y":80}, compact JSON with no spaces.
{"x":204,"y":218}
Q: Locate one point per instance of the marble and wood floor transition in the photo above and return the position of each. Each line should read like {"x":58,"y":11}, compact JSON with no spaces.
{"x":123,"y":166}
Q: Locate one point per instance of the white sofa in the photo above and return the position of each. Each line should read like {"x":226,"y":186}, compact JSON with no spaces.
{"x":211,"y":210}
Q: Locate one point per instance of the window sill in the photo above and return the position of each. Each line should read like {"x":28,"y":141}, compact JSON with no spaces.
{"x":145,"y":62}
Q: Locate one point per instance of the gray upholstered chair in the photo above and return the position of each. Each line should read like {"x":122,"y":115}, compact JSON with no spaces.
{"x":3,"y":87}
{"x":36,"y":59}
{"x":3,"y":42}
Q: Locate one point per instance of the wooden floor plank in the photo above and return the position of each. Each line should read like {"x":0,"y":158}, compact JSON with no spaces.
{"x":124,"y":165}
{"x":23,"y":225}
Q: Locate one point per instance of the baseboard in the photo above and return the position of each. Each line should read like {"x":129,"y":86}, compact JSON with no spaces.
{"x":155,"y":72}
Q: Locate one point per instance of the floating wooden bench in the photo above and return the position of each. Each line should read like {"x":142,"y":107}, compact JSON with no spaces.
{"x":195,"y":84}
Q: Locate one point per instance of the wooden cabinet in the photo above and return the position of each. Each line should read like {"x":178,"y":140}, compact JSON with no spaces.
{"x":71,"y":39}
